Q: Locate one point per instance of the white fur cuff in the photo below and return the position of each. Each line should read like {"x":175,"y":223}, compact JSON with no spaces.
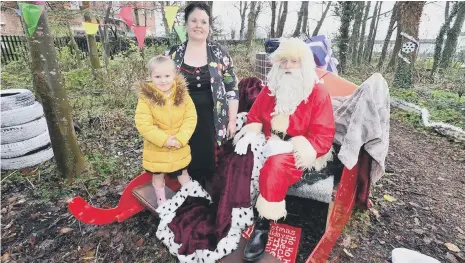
{"x":271,"y":210}
{"x":276,"y":146}
{"x":304,"y":153}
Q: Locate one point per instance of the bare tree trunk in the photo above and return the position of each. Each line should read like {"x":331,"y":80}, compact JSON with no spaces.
{"x":343,"y":43}
{"x":362,"y":34}
{"x":366,"y":49}
{"x":305,"y":18}
{"x":397,"y":44}
{"x":372,"y":41}
{"x":273,"y":19}
{"x":322,"y":19}
{"x":104,"y":36}
{"x":300,"y":14}
{"x":49,"y":86}
{"x":91,"y":43}
{"x":163,"y":14}
{"x":243,"y":10}
{"x":440,"y":38}
{"x":258,"y":11}
{"x":250,"y":27}
{"x":282,"y":20}
{"x":392,"y":22}
{"x":356,"y":31}
{"x":446,"y":11}
{"x":77,"y":51}
{"x":452,"y":37}
{"x":410,"y":15}
{"x":281,"y":4}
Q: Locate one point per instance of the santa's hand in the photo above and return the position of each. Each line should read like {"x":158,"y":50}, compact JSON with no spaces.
{"x":243,"y":143}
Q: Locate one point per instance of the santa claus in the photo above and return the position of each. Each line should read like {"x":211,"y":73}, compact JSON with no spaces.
{"x":294,"y":112}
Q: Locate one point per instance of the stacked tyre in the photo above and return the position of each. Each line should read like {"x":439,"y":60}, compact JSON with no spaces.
{"x":25,"y":140}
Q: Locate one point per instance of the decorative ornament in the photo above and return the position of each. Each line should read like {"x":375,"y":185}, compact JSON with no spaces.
{"x":409,"y":47}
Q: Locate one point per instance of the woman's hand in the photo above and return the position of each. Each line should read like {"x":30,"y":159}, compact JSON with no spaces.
{"x":231,"y":129}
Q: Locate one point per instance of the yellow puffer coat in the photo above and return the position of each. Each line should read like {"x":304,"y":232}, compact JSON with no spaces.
{"x":157,"y":118}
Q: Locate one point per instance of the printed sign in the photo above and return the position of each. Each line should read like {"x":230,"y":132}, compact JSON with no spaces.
{"x":283,"y":241}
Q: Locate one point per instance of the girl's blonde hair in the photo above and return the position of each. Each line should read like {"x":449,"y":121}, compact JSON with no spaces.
{"x":157,"y":60}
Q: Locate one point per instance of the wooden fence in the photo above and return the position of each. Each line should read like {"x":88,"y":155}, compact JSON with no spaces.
{"x":14,"y":47}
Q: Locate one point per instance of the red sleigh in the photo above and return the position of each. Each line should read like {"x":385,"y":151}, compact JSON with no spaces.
{"x":339,"y":212}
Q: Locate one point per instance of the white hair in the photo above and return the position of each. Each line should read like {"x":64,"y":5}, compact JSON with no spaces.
{"x":291,"y":89}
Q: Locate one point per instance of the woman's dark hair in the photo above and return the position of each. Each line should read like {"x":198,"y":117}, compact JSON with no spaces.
{"x":199,"y":5}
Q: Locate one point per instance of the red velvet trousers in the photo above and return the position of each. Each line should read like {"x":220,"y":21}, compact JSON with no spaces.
{"x":277,"y":175}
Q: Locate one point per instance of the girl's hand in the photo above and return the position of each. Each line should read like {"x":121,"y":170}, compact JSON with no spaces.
{"x":172,"y":142}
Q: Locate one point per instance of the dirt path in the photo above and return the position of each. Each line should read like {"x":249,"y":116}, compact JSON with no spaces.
{"x":427,"y":181}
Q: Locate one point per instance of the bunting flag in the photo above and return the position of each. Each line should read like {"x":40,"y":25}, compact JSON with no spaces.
{"x":181,"y":31}
{"x":140,"y":32}
{"x":90,"y":28}
{"x":170,"y":12}
{"x":31,"y":14}
{"x":126,"y":15}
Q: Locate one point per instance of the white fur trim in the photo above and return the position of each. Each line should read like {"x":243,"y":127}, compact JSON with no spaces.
{"x":258,"y":149}
{"x":254,"y":127}
{"x":241,"y":119}
{"x":241,"y":218}
{"x":271,"y":210}
{"x":277,"y":146}
{"x":280,"y":122}
{"x":323,"y":160}
{"x":305,"y":155}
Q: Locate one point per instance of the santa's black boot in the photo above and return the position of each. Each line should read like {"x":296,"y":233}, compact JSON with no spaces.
{"x":255,"y":248}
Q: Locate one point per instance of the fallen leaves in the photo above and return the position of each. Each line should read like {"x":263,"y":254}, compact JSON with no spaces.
{"x":65,"y":230}
{"x":346,"y":241}
{"x":389,"y":198}
{"x":140,"y":242}
{"x":348,"y":253}
{"x":452,"y":247}
{"x":375,"y":213}
{"x":5,"y":257}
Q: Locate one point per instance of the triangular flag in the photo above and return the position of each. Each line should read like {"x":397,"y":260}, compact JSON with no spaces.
{"x":31,"y":14}
{"x":126,"y":15}
{"x":170,"y":12}
{"x":140,"y":32}
{"x":18,"y":12}
{"x":90,"y":28}
{"x":181,"y":32}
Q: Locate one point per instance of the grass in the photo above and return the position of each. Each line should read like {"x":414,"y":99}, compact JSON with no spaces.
{"x":104,"y":107}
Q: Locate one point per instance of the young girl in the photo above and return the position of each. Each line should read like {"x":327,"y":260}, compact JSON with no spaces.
{"x":166,"y":118}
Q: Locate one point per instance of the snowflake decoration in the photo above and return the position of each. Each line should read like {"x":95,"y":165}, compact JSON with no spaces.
{"x":408,"y":47}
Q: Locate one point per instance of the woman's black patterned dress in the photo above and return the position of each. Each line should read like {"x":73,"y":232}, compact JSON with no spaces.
{"x":202,"y":141}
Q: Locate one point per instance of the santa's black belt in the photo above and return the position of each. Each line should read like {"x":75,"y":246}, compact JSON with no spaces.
{"x":282,"y":135}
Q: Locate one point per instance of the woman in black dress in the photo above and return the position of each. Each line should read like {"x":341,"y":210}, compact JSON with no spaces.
{"x":209,"y":72}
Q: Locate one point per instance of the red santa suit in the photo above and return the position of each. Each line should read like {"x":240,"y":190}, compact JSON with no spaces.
{"x":310,"y":130}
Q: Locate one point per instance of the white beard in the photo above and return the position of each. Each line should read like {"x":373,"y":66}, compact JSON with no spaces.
{"x":289,"y":89}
